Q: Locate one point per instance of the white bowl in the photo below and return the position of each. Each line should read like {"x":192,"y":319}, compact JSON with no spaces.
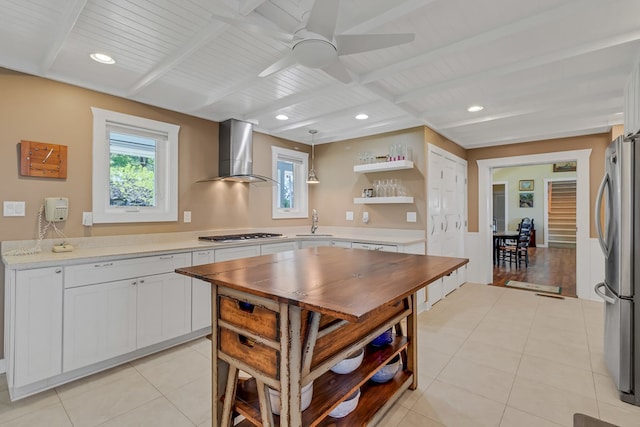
{"x":307,"y":394}
{"x":388,"y":371}
{"x":350,"y":363}
{"x":346,"y":407}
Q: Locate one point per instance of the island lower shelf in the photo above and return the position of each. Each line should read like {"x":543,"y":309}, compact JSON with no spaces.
{"x":330,"y":389}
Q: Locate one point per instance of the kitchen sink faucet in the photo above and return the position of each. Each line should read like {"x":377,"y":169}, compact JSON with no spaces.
{"x":314,"y":221}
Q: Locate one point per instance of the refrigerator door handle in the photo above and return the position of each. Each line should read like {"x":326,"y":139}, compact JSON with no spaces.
{"x":598,"y":215}
{"x":602,"y":295}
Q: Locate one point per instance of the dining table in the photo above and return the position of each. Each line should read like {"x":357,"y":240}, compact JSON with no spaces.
{"x":499,"y":237}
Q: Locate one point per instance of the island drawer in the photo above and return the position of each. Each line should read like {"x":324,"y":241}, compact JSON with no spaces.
{"x":249,"y":317}
{"x":254,"y":354}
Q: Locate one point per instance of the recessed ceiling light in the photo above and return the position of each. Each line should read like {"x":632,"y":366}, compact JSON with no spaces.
{"x":362,"y":117}
{"x":475,"y":108}
{"x":102,"y":58}
{"x":619,"y":113}
{"x":282,"y":117}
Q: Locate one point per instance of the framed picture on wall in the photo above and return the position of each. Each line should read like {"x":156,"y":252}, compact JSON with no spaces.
{"x":526,"y":200}
{"x":565,"y":167}
{"x":526,"y":185}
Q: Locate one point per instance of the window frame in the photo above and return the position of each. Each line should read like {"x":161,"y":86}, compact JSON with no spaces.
{"x":301,"y":188}
{"x":166,"y":172}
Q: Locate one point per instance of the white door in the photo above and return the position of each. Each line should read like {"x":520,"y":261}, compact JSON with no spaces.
{"x":449,"y":208}
{"x":163,"y":308}
{"x":435,"y":223}
{"x":99,"y":323}
{"x":37,"y":352}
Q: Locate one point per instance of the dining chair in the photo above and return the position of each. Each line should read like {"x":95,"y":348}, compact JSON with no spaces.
{"x":518,"y":250}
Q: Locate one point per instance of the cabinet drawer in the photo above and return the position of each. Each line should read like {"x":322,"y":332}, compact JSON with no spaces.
{"x":108,"y":271}
{"x":374,"y":247}
{"x":254,"y":354}
{"x":249,"y":317}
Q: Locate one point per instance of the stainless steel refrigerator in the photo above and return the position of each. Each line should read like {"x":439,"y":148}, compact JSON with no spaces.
{"x":619,"y":237}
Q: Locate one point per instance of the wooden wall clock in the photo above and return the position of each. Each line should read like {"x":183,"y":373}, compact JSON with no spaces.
{"x":43,"y":160}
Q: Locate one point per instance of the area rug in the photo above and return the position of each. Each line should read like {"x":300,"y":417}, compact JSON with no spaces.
{"x":533,"y":287}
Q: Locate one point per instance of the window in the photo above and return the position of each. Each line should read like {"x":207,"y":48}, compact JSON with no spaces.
{"x":135,"y":169}
{"x":290,"y":195}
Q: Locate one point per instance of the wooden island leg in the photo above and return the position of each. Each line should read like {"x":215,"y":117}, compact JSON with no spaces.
{"x":412,"y":335}
{"x":290,"y":365}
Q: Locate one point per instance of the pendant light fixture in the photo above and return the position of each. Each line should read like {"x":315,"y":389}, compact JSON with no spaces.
{"x":312,"y":178}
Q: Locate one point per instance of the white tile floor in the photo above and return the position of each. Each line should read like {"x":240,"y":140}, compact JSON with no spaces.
{"x":488,"y":356}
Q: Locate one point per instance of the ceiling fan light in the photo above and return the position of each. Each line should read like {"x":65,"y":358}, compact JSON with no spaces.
{"x":314,"y":53}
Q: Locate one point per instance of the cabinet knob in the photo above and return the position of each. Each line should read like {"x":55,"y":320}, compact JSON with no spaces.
{"x":58,"y":270}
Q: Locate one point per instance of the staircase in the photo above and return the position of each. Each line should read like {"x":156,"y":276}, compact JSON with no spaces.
{"x":562,"y":214}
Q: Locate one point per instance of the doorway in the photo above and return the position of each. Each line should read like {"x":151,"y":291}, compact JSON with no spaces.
{"x":485,"y":213}
{"x":500,"y":206}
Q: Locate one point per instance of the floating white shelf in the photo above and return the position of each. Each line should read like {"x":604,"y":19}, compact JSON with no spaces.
{"x":382,"y":200}
{"x":384,"y":166}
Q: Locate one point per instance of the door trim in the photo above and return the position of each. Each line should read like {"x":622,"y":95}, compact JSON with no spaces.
{"x":583,"y":212}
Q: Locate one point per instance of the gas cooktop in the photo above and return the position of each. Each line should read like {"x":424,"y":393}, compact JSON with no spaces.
{"x":236,"y":237}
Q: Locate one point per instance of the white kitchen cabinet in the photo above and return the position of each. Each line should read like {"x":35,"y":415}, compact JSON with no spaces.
{"x":227,"y":254}
{"x":201,"y":293}
{"x":314,"y":243}
{"x":435,"y":291}
{"x":35,"y":299}
{"x":163,"y":308}
{"x":272,"y":248}
{"x":99,"y":322}
{"x":374,"y":247}
{"x":340,"y":244}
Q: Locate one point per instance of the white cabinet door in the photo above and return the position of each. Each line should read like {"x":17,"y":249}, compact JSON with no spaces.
{"x":99,"y":323}
{"x":314,"y":243}
{"x":201,"y":293}
{"x":37,"y":353}
{"x":273,"y":248}
{"x":227,"y":254}
{"x":164,"y":308}
{"x":435,"y":291}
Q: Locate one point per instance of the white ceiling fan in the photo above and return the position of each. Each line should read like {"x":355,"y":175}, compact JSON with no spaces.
{"x":317,"y":45}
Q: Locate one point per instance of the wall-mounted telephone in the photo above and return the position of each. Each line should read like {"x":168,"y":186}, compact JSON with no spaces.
{"x":56,"y":208}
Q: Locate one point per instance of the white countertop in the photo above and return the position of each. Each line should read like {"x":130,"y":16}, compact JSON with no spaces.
{"x":97,"y":249}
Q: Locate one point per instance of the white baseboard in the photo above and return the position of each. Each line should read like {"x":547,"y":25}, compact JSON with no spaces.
{"x":3,"y":367}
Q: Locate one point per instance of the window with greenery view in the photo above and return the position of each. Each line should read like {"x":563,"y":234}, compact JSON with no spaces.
{"x":290,"y":195}
{"x":135,"y":162}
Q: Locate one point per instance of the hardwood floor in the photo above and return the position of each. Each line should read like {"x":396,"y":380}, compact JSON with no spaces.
{"x":547,"y":266}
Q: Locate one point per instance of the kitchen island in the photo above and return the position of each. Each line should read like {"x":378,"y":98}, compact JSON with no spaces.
{"x":286,"y":319}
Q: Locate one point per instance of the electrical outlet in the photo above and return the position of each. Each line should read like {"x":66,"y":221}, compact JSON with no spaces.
{"x":187,"y":216}
{"x":365,"y":217}
{"x":349,"y":216}
{"x":412,"y":217}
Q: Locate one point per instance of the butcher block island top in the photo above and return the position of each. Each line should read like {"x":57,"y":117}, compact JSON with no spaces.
{"x":346,"y":283}
{"x":287,"y":318}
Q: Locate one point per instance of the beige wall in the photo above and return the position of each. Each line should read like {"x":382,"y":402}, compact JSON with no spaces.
{"x":339,"y":184}
{"x":597,"y":143}
{"x":38,"y":109}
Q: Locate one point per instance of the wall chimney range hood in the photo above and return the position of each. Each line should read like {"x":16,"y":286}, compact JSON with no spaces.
{"x":235,"y":155}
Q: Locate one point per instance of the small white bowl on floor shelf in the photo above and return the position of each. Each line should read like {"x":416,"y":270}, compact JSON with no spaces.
{"x":350,"y":363}
{"x":388,"y":371}
{"x":346,"y":407}
{"x":305,"y":401}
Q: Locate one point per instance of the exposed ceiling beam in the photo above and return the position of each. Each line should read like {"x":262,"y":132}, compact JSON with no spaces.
{"x":392,"y":12}
{"x":536,"y":61}
{"x":70,"y":17}
{"x":475,"y":40}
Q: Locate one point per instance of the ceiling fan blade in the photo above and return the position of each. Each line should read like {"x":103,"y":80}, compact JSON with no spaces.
{"x":254,"y":28}
{"x":322,"y":18}
{"x":285,"y":62}
{"x":338,"y":71}
{"x":346,"y":44}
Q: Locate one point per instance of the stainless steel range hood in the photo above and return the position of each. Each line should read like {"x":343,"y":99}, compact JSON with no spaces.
{"x":235,"y":156}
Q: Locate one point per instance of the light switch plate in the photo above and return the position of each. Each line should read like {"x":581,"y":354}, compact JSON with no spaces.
{"x":187,"y":216}
{"x":87,"y":219}
{"x":412,"y":217}
{"x":10,"y":208}
{"x":349,"y":216}
{"x":365,"y":217}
